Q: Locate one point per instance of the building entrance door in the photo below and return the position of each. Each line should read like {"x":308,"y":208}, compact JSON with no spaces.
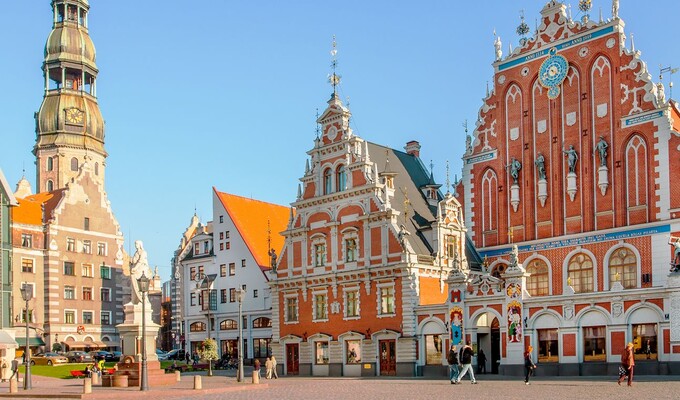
{"x":388,"y":357}
{"x":495,"y":345}
{"x":292,"y":359}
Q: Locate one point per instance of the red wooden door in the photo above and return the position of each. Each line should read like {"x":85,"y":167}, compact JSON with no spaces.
{"x":388,"y":357}
{"x":292,"y":359}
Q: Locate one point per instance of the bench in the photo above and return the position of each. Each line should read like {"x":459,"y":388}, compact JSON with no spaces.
{"x":199,"y":367}
{"x":181,"y":368}
{"x":78,"y":374}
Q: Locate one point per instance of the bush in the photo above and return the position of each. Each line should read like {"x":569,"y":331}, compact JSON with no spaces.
{"x":208,"y":350}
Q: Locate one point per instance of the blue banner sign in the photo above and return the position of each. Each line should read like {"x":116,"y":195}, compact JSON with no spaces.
{"x":642,"y":118}
{"x":482,"y":157}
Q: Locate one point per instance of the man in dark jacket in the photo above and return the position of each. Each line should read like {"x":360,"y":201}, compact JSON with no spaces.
{"x":452,"y":359}
{"x":466,"y":361}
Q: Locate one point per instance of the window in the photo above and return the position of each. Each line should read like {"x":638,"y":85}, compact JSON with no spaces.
{"x":101,"y":249}
{"x":197,"y":327}
{"x":221,"y":219}
{"x":321,"y":353}
{"x":105,"y":318}
{"x":623,"y":268}
{"x":23,"y":315}
{"x":223,"y":270}
{"x":50,"y":163}
{"x":197,"y":249}
{"x":26,"y":240}
{"x":433,"y":349}
{"x":87,"y":293}
{"x":489,"y":200}
{"x":319,"y":254}
{"x":228,"y":324}
{"x":87,"y":317}
{"x":645,"y":345}
{"x":74,"y":161}
{"x":254,"y":293}
{"x":261,"y":348}
{"x":636,"y":175}
{"x":580,"y":269}
{"x":262,"y":322}
{"x":227,"y":245}
{"x":594,"y":343}
{"x":88,"y":270}
{"x":193,"y":299}
{"x":221,"y":246}
{"x":206,"y":247}
{"x":86,"y":224}
{"x":223,"y":295}
{"x":387,"y":300}
{"x":232,"y":269}
{"x":327,"y":182}
{"x":320,"y":309}
{"x":27,"y":265}
{"x":232,"y":295}
{"x":50,"y":185}
{"x":70,"y":244}
{"x":341,"y":178}
{"x":450,"y":246}
{"x":537,"y":282}
{"x":96,"y":169}
{"x":69,"y":268}
{"x":243,"y":287}
{"x":192,"y":273}
{"x":547,"y":345}
{"x":69,"y":317}
{"x":87,"y":247}
{"x":291,"y":309}
{"x":350,"y":250}
{"x":105,"y":272}
{"x":352,"y":303}
{"x":105,"y":294}
{"x":353,"y":351}
{"x":69,"y":292}
{"x":226,"y":234}
{"x":221,"y":235}
{"x":243,"y":263}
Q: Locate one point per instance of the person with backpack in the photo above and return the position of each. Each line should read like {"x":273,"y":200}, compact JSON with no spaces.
{"x":466,"y":360}
{"x":452,"y":359}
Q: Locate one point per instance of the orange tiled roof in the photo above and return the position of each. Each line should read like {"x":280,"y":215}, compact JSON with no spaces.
{"x":250,"y":218}
{"x":30,"y":209}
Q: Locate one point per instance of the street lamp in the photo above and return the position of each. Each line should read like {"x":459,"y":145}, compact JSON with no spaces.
{"x":143,"y":282}
{"x":239,"y":296}
{"x":27,"y":294}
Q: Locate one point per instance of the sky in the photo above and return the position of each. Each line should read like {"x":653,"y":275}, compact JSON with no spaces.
{"x":224,"y":93}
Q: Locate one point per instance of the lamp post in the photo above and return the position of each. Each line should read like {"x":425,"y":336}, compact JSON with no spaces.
{"x":204,"y":285}
{"x":27,"y":294}
{"x":143,"y":282}
{"x":239,"y":296}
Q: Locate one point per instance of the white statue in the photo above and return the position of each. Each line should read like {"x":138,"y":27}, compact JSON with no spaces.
{"x":139,"y":266}
{"x":497,"y":46}
{"x":615,"y":9}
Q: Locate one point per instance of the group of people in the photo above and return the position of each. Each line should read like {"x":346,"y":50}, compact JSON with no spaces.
{"x":270,"y":367}
{"x":464,"y":360}
{"x":95,"y":368}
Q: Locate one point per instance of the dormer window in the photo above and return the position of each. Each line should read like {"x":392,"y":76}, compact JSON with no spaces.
{"x":327,"y":182}
{"x":341,"y":178}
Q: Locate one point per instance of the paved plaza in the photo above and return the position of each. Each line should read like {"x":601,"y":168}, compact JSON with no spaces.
{"x":223,"y":387}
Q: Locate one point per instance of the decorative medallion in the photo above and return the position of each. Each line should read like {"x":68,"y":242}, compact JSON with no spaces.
{"x":552,"y":73}
{"x":332,"y":133}
{"x":583,"y":51}
{"x":610,"y":43}
{"x":501,"y":79}
{"x":524,"y":71}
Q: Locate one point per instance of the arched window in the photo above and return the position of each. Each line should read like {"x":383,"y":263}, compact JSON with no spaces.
{"x":197,"y":327}
{"x":489,"y":206}
{"x":50,"y":164}
{"x":327,"y":182}
{"x":623,"y":268}
{"x":74,"y":164}
{"x":50,"y":186}
{"x":341,"y":178}
{"x":228,"y":324}
{"x":580,"y":270}
{"x":537,"y":283}
{"x":262,"y":322}
{"x":636,"y":180}
{"x":96,"y":169}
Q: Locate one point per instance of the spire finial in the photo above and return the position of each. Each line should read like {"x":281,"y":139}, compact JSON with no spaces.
{"x":632,"y":42}
{"x":523,"y":28}
{"x":448,"y":180}
{"x":318,"y":130}
{"x":269,"y":236}
{"x":334,"y":78}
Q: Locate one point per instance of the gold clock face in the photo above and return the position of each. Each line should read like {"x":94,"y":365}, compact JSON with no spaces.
{"x":74,"y":116}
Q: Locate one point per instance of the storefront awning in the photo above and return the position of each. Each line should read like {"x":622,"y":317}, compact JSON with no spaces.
{"x":32,"y":341}
{"x":6,"y":341}
{"x":75,"y":344}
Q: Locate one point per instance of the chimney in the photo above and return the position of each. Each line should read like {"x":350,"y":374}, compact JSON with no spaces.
{"x":413,"y":148}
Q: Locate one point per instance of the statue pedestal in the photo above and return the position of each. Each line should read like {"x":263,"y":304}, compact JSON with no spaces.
{"x":571,"y":185}
{"x":542,"y":191}
{"x":603,"y":179}
{"x":514,"y":196}
{"x":131,"y":333}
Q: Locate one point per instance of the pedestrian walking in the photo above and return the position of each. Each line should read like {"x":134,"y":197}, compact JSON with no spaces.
{"x":627,"y":364}
{"x":268,"y":368}
{"x":187,"y":357}
{"x":452,"y":359}
{"x":529,"y":366}
{"x":15,"y":369}
{"x":275,"y":374}
{"x":256,"y":367}
{"x":481,"y":362}
{"x":466,"y":360}
{"x":196,"y":358}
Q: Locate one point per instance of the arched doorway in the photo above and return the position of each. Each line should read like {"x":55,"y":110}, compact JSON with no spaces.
{"x":489,"y":341}
{"x":495,"y":345}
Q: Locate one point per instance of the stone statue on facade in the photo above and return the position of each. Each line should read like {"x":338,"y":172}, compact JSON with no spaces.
{"x":540,"y":165}
{"x":615,"y":9}
{"x":272,"y":259}
{"x":139,"y":265}
{"x":497,"y":46}
{"x":601,"y":148}
{"x":514,"y":256}
{"x":515,"y":166}
{"x":572,"y":158}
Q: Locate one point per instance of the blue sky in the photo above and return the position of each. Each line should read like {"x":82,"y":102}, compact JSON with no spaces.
{"x":223,"y":93}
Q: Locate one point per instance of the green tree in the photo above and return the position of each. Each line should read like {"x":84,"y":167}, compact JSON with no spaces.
{"x":208,"y":350}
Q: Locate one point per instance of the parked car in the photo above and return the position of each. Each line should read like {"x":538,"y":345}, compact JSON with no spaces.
{"x":161,"y":355}
{"x":177,"y":354}
{"x":48,"y":359}
{"x":100,"y":355}
{"x":115,"y":356}
{"x":78,"y":357}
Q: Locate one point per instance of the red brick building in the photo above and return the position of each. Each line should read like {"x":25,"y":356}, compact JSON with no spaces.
{"x":573,"y":160}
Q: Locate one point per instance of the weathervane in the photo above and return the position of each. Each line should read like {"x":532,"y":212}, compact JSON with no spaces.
{"x":318,"y":130}
{"x":522,"y":29}
{"x":334,"y":78}
{"x":448,"y":181}
{"x":585,"y":6}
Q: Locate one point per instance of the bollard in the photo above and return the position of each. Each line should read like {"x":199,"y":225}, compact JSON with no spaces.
{"x":95,"y":378}
{"x":13,"y":385}
{"x":87,"y":385}
{"x":178,"y":376}
{"x":197,"y":382}
{"x":256,"y":377}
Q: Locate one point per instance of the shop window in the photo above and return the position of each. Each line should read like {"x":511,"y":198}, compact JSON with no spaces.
{"x":353,"y":351}
{"x":645,"y":341}
{"x":547,"y":345}
{"x":594,"y":344}
{"x":321,"y":353}
{"x":433,"y":349}
{"x":261,"y":348}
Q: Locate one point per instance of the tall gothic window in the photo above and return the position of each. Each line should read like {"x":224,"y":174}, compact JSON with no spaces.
{"x":580,"y":270}
{"x":489,"y":203}
{"x":327,"y":182}
{"x":50,"y":164}
{"x":537,"y":283}
{"x":50,"y":186}
{"x":636,"y":180}
{"x":341,"y":178}
{"x":623,"y":268}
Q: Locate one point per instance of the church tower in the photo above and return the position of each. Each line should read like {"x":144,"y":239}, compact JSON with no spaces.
{"x":69,"y":125}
